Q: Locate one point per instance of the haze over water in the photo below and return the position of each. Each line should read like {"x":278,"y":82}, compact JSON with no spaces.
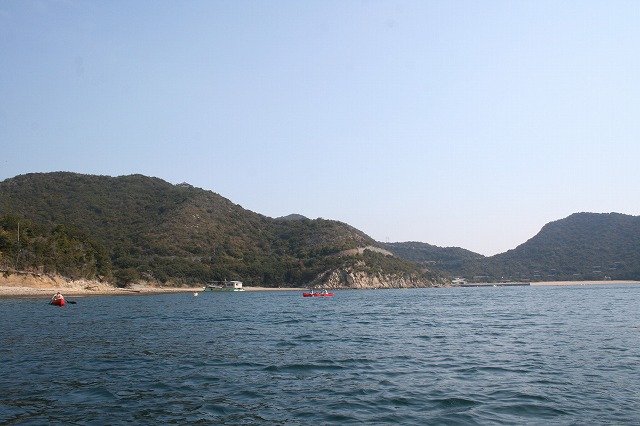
{"x":559,"y":355}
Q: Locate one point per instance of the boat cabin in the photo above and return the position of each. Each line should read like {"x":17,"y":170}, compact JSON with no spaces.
{"x":235,"y":285}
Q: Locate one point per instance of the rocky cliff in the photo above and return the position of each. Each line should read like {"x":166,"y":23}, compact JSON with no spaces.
{"x":350,"y":278}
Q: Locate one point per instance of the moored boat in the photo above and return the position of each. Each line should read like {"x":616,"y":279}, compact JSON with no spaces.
{"x":224,"y":286}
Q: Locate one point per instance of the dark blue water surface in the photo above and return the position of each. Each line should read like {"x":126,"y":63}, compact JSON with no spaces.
{"x":526,"y":355}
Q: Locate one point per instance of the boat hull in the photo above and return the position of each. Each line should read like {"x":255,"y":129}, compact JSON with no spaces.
{"x":223,"y":289}
{"x":317,"y":295}
{"x":59,"y":302}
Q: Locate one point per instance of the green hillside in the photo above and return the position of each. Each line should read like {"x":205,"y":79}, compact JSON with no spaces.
{"x":440,"y":258}
{"x":130,"y":228}
{"x":583,"y":246}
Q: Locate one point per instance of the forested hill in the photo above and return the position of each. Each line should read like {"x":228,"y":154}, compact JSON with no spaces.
{"x":583,"y":246}
{"x":130,"y":228}
{"x":450,"y":259}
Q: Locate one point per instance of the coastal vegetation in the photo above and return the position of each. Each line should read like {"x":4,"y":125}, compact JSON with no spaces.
{"x":127,"y":229}
{"x":137,"y":228}
{"x":583,"y":246}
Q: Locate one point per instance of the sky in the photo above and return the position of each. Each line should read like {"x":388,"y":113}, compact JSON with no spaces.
{"x":458,"y":123}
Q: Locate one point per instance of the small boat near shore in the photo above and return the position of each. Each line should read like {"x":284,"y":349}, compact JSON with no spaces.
{"x":224,"y":286}
{"x":57,"y":302}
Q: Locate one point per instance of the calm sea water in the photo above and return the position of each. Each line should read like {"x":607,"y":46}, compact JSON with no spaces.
{"x":526,"y":355}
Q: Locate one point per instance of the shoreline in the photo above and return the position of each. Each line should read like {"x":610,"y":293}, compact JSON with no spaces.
{"x":35,"y":292}
{"x":565,"y":283}
{"x":46,"y":287}
{"x":30,"y":292}
{"x":27,"y":285}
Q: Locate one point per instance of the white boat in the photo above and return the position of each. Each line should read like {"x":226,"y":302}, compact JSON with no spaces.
{"x":224,"y":286}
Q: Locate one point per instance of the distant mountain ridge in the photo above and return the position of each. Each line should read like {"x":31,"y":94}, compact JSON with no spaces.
{"x":583,"y":246}
{"x":442,"y":258}
{"x":130,"y":228}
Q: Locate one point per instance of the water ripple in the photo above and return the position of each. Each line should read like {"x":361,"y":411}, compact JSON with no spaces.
{"x":432,"y":356}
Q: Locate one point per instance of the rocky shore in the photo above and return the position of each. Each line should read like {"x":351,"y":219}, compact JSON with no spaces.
{"x":40,"y":285}
{"x":27,"y":284}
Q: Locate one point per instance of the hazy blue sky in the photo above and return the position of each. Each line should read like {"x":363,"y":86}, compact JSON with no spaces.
{"x":456,"y":123}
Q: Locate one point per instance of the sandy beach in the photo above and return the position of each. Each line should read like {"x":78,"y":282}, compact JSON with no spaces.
{"x":41,"y":285}
{"x":28,"y":285}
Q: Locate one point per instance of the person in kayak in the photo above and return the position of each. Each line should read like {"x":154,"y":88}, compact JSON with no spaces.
{"x":57,"y":297}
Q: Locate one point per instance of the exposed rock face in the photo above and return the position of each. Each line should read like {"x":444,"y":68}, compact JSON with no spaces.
{"x":361,"y":250}
{"x":345,"y":278}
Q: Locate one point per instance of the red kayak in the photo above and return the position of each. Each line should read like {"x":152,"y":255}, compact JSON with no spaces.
{"x":317,"y":294}
{"x":58,"y":302}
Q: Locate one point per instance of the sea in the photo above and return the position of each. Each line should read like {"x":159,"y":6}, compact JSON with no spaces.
{"x":565,"y":355}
